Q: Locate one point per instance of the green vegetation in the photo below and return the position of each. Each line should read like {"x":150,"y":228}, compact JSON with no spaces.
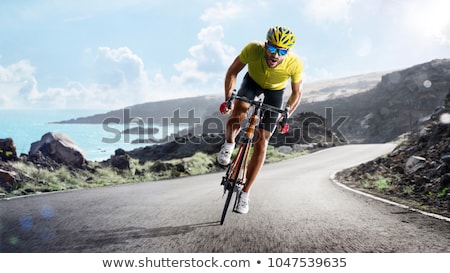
{"x":366,"y":184}
{"x":382,"y":183}
{"x":443,"y":193}
{"x":408,"y":190}
{"x":97,"y":174}
{"x":376,"y":182}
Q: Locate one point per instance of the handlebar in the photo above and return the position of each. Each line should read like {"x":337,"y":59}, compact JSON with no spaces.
{"x":260,"y":105}
{"x":257,"y":103}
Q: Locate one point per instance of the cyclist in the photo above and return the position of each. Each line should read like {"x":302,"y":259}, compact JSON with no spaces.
{"x":270,"y":66}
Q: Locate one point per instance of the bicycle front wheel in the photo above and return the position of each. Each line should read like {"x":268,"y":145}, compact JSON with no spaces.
{"x":227,"y":204}
{"x":234,"y":177}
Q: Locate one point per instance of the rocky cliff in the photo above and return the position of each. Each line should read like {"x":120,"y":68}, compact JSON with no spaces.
{"x":417,"y":172}
{"x":393,"y":107}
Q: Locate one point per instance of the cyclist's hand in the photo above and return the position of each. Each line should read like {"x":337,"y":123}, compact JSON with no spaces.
{"x":283,"y":126}
{"x":227,"y":105}
{"x":224,"y":109}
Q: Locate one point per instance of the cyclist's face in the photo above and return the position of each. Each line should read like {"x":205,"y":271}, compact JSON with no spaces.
{"x":273,"y":59}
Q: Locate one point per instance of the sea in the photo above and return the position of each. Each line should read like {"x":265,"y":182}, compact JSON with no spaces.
{"x":97,"y":141}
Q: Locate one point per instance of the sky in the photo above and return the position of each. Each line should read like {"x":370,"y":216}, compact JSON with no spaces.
{"x":109,"y":54}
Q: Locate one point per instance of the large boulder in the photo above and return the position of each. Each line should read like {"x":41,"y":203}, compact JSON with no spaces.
{"x":60,"y":148}
{"x":121,"y":160}
{"x":8,"y":179}
{"x":7,"y":149}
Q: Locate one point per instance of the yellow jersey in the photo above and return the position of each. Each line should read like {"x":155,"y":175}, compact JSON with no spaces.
{"x":275,"y":78}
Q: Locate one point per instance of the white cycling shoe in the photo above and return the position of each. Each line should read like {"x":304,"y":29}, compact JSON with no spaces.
{"x":224,"y":156}
{"x":242,"y":206}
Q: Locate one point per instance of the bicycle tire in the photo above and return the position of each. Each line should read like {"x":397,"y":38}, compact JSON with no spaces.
{"x":227,"y":204}
{"x":231,"y":181}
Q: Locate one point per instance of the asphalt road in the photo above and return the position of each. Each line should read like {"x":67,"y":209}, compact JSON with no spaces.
{"x":293,"y":208}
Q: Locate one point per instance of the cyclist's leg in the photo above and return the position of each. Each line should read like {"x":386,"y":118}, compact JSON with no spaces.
{"x":233,"y":124}
{"x":235,"y":119}
{"x":254,"y":166}
{"x":269,"y":119}
{"x":258,"y":157}
{"x":250,"y":90}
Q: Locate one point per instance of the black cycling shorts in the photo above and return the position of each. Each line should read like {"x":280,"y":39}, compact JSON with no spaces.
{"x":250,"y":89}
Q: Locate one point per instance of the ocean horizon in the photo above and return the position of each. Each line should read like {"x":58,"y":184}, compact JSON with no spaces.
{"x":97,"y":142}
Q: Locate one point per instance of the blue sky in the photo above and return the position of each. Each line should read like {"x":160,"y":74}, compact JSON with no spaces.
{"x":95,"y":54}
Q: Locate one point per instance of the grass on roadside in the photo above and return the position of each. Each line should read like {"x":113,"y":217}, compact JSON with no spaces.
{"x":377,"y":182}
{"x":39,"y":180}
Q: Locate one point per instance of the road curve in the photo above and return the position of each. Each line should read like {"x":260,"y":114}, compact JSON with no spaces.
{"x":293,"y":208}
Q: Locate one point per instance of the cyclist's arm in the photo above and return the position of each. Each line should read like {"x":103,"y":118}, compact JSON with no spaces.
{"x":231,"y":76}
{"x":295,"y":97}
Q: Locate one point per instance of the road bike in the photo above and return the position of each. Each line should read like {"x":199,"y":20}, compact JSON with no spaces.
{"x":234,"y":179}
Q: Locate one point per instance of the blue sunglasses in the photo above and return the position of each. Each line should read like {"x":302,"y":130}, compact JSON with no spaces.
{"x":281,"y":51}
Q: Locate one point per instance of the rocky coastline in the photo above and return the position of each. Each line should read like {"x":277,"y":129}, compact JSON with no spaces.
{"x":56,"y":151}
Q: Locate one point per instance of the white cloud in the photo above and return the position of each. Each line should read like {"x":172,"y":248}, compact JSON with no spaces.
{"x":209,"y":59}
{"x":446,"y":33}
{"x":221,"y":12}
{"x":18,"y":85}
{"x":119,"y":79}
{"x":328,"y":11}
{"x":350,"y":31}
{"x":319,"y":73}
{"x":362,"y":46}
{"x":19,"y":90}
{"x":212,"y":51}
{"x":119,"y":67}
{"x":189,"y":72}
{"x":429,"y":19}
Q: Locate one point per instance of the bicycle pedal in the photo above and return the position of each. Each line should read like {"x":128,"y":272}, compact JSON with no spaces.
{"x":224,"y":181}
{"x":224,"y":191}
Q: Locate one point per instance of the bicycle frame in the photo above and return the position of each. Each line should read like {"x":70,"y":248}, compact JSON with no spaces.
{"x":238,"y":167}
{"x":234,"y":179}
